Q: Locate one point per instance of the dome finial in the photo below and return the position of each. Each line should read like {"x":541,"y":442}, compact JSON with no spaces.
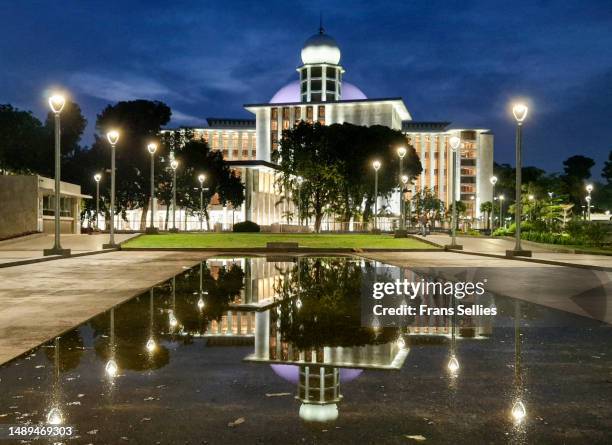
{"x":321,"y":29}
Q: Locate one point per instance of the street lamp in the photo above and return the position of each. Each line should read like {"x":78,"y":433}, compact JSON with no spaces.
{"x":174,"y":165}
{"x":401,"y":233}
{"x":519,"y":111}
{"x":57,"y":102}
{"x":97,"y":178}
{"x":299,"y":181}
{"x":376,"y":164}
{"x":589,"y":189}
{"x":454,"y":143}
{"x":201,"y":178}
{"x":501,"y":209}
{"x":113,"y":138}
{"x":493,"y":180}
{"x":152,"y":147}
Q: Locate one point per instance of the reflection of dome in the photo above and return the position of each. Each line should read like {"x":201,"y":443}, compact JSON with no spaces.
{"x":290,"y":373}
{"x":291,"y":93}
{"x":312,"y":412}
{"x":320,"y":48}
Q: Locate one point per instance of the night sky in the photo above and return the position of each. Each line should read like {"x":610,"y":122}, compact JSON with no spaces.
{"x":455,"y":61}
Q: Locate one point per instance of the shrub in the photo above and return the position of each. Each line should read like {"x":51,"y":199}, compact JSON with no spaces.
{"x":246,"y":226}
{"x":596,"y":234}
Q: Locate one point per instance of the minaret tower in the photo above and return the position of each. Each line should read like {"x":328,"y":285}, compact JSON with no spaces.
{"x":321,"y":72}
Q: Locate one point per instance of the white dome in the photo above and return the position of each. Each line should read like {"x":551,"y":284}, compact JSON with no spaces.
{"x":321,"y":48}
{"x":310,"y":412}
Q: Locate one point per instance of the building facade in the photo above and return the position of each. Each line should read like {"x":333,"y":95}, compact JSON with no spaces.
{"x":320,"y":94}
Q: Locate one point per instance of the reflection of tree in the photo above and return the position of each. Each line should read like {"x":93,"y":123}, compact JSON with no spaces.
{"x":132,"y":319}
{"x":219,"y":291}
{"x":329,"y":292}
{"x":71,"y":350}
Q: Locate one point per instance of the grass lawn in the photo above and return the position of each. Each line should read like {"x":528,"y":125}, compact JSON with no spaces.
{"x":181,"y":240}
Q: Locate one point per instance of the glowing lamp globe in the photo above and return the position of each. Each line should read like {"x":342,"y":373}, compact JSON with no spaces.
{"x":113,"y":137}
{"x":174,"y":164}
{"x":376,"y":165}
{"x":520,"y":112}
{"x":57,"y":102}
{"x":97,"y":177}
{"x":454,"y":142}
{"x":518,"y":412}
{"x":152,"y":147}
{"x":111,"y":368}
{"x":401,"y":152}
{"x":493,"y":180}
{"x":151,"y":345}
{"x":55,"y":417}
{"x":202,"y":178}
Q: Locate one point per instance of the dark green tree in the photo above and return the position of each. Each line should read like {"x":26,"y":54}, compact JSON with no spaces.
{"x":22,"y":139}
{"x":577,"y":169}
{"x":139,"y":123}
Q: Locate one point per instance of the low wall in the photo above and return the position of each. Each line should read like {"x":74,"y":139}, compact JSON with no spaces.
{"x":19,"y":204}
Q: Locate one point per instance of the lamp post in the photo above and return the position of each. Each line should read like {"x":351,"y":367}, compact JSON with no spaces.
{"x":404,"y":179}
{"x":376,"y":165}
{"x":299,"y":181}
{"x":57,"y":102}
{"x":201,"y":178}
{"x":501,"y":209}
{"x":97,"y":178}
{"x":401,"y":232}
{"x":152,"y":147}
{"x":473,"y":199}
{"x":531,"y":198}
{"x":454,"y":143}
{"x":589,"y":189}
{"x":113,"y":138}
{"x":493,"y":180}
{"x":174,"y":165}
{"x":520,"y":113}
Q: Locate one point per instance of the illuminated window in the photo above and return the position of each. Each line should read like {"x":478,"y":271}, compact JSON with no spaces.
{"x":309,"y":115}
{"x":297,"y":113}
{"x":285,"y":118}
{"x":321,"y":113}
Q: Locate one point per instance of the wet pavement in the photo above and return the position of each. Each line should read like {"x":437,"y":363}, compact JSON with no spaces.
{"x":258,"y":351}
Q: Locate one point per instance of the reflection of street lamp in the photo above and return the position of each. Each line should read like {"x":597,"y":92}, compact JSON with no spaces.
{"x":55,"y":416}
{"x":151,"y":345}
{"x":113,"y":138}
{"x":152,"y":147}
{"x":97,"y":178}
{"x":401,"y":153}
{"x":57,"y":102}
{"x":454,"y":143}
{"x":520,"y":113}
{"x":518,"y":411}
{"x":493,"y":180}
{"x":200,"y":302}
{"x":376,"y":165}
{"x":174,"y":165}
{"x":201,"y":178}
{"x":111,"y":367}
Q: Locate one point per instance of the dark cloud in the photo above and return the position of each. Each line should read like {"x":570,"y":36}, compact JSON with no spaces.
{"x":461,"y":61}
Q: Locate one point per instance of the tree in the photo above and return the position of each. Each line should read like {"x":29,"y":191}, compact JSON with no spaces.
{"x":426,"y":202}
{"x":336,"y":165}
{"x":576,"y":169}
{"x":21,"y":140}
{"x":222,"y":185}
{"x":139,"y":123}
{"x":305,"y":153}
{"x":487,"y":208}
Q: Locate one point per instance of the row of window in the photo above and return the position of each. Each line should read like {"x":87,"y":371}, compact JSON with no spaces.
{"x":48,"y":205}
{"x":287,"y":122}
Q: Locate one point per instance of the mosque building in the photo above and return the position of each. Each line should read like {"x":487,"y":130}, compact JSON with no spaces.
{"x":320,"y":94}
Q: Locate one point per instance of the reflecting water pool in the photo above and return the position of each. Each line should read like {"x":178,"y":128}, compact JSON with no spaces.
{"x":272,"y":350}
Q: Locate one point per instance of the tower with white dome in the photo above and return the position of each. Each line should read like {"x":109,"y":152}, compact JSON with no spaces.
{"x":321,"y":72}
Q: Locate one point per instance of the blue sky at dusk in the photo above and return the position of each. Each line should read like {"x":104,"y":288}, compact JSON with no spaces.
{"x":458,"y":61}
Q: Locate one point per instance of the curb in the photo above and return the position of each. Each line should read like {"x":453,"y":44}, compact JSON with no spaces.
{"x":53,"y":258}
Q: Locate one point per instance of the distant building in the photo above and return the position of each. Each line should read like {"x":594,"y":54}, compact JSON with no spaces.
{"x":321,"y":94}
{"x":28,"y":205}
